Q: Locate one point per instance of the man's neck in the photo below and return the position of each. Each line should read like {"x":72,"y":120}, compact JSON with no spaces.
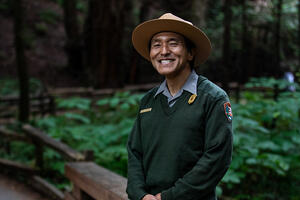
{"x":176,"y":83}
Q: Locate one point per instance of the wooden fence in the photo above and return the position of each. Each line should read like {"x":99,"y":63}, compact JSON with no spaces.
{"x":89,"y":180}
{"x":45,"y":103}
{"x":39,"y":105}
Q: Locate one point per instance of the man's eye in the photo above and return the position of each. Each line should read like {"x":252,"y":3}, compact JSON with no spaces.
{"x":173,"y":44}
{"x":156,"y":45}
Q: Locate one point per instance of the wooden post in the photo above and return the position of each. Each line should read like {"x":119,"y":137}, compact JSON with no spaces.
{"x":7,"y":147}
{"x":52,"y":107}
{"x":39,"y":161}
{"x":237,"y":93}
{"x":89,"y":155}
{"x":41,"y":105}
{"x":276,"y":92}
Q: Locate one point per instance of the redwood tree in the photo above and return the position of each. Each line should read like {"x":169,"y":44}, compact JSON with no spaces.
{"x":277,"y":35}
{"x":104,"y":34}
{"x":24,"y":109}
{"x":226,"y":53}
{"x":73,"y":45}
{"x":246,"y":45}
{"x":299,"y":34}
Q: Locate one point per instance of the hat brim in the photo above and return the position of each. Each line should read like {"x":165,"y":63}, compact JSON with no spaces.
{"x":143,"y":33}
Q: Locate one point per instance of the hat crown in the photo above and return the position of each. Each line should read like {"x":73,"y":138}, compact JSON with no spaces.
{"x":143,"y":33}
{"x":173,"y":17}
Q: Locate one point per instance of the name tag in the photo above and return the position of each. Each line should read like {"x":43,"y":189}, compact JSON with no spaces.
{"x":146,"y":110}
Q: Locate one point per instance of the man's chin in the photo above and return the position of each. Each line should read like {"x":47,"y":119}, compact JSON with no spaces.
{"x":165,"y":69}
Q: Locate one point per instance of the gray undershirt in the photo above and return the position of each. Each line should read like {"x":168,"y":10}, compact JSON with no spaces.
{"x":190,"y":85}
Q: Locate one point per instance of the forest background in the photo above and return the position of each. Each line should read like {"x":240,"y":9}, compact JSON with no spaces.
{"x":48,"y":44}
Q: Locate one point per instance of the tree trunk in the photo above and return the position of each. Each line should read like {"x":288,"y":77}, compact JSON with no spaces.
{"x":24,"y":110}
{"x":73,"y":45}
{"x":199,"y":10}
{"x":277,"y":38}
{"x":181,"y":8}
{"x":135,"y":61}
{"x":299,"y":34}
{"x":226,"y":43}
{"x":105,"y":27}
{"x":245,"y":45}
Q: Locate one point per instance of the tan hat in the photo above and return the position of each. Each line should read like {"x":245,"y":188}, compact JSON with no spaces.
{"x":168,"y":22}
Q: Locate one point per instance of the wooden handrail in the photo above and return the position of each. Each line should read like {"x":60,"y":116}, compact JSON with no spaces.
{"x":82,"y":91}
{"x":12,"y":136}
{"x":42,"y":137}
{"x":46,"y":188}
{"x":89,"y":180}
{"x":12,"y":165}
{"x":92,"y":181}
{"x":14,"y":98}
{"x":41,"y":104}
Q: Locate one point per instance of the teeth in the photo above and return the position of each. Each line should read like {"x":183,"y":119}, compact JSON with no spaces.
{"x":165,"y":61}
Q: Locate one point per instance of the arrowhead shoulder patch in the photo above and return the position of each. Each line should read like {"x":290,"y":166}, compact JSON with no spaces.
{"x":228,"y":111}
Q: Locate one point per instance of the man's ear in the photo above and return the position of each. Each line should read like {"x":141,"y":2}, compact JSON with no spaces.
{"x":191,"y":54}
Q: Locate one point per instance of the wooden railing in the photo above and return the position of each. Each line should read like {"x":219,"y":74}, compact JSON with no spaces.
{"x":91,"y":92}
{"x":39,"y":105}
{"x":89,"y":180}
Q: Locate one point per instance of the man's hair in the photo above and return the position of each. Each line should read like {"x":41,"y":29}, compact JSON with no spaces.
{"x":190,"y":46}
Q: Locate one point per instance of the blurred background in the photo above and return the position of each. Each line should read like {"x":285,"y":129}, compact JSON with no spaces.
{"x":68,"y":68}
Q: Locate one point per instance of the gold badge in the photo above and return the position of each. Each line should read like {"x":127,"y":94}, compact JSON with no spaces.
{"x":146,"y":110}
{"x":192,"y":98}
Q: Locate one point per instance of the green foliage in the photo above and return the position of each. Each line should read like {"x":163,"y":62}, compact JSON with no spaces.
{"x":266,"y":140}
{"x":102,"y":127}
{"x":74,"y":103}
{"x":269,"y":83}
{"x":10,"y":86}
{"x":25,"y":156}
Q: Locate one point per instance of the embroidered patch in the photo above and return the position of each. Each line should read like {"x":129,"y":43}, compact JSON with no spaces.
{"x":228,"y":111}
{"x":192,"y":99}
{"x":146,"y":110}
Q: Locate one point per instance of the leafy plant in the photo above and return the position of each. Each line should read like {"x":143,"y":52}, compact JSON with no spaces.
{"x":266,"y":139}
{"x":9,"y":86}
{"x":102,"y":126}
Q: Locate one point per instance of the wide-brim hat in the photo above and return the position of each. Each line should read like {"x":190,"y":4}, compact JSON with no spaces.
{"x":168,"y":22}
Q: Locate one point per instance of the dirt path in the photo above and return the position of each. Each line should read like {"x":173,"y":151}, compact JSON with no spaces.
{"x":11,"y":189}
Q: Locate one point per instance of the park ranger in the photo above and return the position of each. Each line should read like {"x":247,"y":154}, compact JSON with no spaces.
{"x":181,"y":144}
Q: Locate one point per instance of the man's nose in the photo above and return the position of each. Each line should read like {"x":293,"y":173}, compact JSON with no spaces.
{"x":165,"y":49}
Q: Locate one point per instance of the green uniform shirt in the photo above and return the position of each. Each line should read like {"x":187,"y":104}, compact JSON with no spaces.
{"x":182,"y":151}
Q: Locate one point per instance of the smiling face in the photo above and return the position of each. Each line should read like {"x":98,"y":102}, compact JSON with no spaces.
{"x":169,"y":54}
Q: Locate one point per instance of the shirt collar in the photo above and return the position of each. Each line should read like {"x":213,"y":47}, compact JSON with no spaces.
{"x":190,"y":85}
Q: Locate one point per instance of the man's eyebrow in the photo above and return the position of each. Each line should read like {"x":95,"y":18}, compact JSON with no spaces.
{"x":170,"y":39}
{"x":174,"y":39}
{"x":155,"y":40}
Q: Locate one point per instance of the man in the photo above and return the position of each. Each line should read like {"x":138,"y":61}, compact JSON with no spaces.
{"x":180,"y":146}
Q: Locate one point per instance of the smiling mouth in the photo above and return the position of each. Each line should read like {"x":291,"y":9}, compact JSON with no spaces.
{"x":164,"y":62}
